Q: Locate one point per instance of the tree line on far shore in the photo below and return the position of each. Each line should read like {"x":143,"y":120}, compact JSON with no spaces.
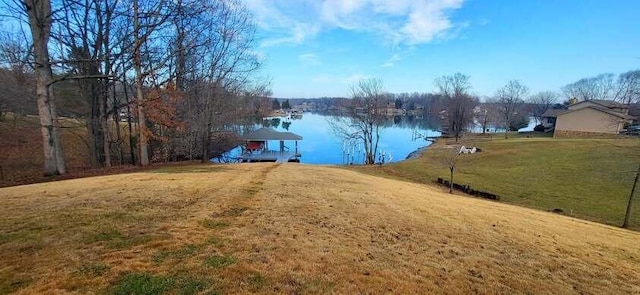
{"x":509,"y":109}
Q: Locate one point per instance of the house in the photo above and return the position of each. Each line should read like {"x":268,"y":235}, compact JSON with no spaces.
{"x":549,"y":118}
{"x":603,"y":104}
{"x":588,"y":118}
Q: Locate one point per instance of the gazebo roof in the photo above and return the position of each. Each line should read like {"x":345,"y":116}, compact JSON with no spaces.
{"x":270,"y":134}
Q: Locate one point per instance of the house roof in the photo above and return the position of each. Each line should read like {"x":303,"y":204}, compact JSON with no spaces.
{"x":270,"y":134}
{"x":552,"y":113}
{"x":601,"y":109}
{"x":610,"y":104}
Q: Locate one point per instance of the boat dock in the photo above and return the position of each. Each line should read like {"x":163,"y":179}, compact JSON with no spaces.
{"x":256,"y":148}
{"x":271,"y":156}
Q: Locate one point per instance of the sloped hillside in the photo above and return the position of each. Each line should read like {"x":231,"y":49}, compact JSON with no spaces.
{"x":267,"y":228}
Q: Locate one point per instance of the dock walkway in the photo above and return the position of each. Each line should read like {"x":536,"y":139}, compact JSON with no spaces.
{"x":270,"y":156}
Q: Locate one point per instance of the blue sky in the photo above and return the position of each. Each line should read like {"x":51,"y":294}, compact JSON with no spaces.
{"x":314,"y":48}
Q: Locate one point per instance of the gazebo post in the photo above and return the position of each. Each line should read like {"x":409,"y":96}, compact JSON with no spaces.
{"x":296,"y":155}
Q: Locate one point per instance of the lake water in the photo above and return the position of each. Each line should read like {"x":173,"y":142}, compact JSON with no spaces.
{"x":321,"y":146}
{"x":400,"y":136}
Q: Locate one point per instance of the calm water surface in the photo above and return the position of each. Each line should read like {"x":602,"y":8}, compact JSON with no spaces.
{"x":321,"y":146}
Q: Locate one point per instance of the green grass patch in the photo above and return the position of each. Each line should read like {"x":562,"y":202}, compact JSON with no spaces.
{"x":212,"y":223}
{"x":143,"y":284}
{"x":148,"y":284}
{"x":585,"y":178}
{"x":256,"y":282}
{"x":5,"y":238}
{"x":188,"y":285}
{"x":219,"y":261}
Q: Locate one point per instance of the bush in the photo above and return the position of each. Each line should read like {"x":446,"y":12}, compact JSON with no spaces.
{"x":538,"y":128}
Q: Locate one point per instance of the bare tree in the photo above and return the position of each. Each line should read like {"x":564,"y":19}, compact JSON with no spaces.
{"x":40,"y":19}
{"x":460,"y":104}
{"x":149,"y":18}
{"x":16,"y":81}
{"x":510,"y":100}
{"x":223,"y":65}
{"x":83,"y":33}
{"x":488,"y":115}
{"x":628,"y":87}
{"x":541,"y":102}
{"x":450,"y":159}
{"x":600,"y":87}
{"x":365,"y":115}
{"x":195,"y":60}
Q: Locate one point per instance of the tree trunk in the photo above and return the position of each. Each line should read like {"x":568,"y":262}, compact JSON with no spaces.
{"x":93,"y":154}
{"x":137,"y":64}
{"x":142,"y":136}
{"x":106,"y":140}
{"x":627,"y":215}
{"x":132,"y":142}
{"x":451,"y":181}
{"x":206,"y":144}
{"x":39,"y":13}
{"x":104,"y":41}
{"x":116,"y":122}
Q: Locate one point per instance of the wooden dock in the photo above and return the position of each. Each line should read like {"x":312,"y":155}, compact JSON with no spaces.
{"x":271,"y":156}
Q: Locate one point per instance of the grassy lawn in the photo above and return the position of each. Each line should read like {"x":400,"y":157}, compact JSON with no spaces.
{"x":585,"y":178}
{"x":294,"y":229}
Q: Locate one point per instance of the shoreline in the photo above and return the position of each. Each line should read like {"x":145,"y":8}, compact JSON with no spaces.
{"x":416,"y":154}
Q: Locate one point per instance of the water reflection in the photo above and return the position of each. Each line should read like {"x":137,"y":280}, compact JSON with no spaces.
{"x":321,"y":146}
{"x":400,"y":136}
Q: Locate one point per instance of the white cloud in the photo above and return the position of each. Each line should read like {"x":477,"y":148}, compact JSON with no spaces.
{"x":355,"y":78}
{"x":398,"y":21}
{"x":309,"y":59}
{"x":284,"y":20}
{"x":392,"y":60}
{"x":429,"y":21}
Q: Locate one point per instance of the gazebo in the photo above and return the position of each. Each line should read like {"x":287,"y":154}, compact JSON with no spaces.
{"x":257,"y":146}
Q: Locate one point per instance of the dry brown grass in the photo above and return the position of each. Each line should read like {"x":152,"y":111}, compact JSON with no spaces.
{"x":268,"y":228}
